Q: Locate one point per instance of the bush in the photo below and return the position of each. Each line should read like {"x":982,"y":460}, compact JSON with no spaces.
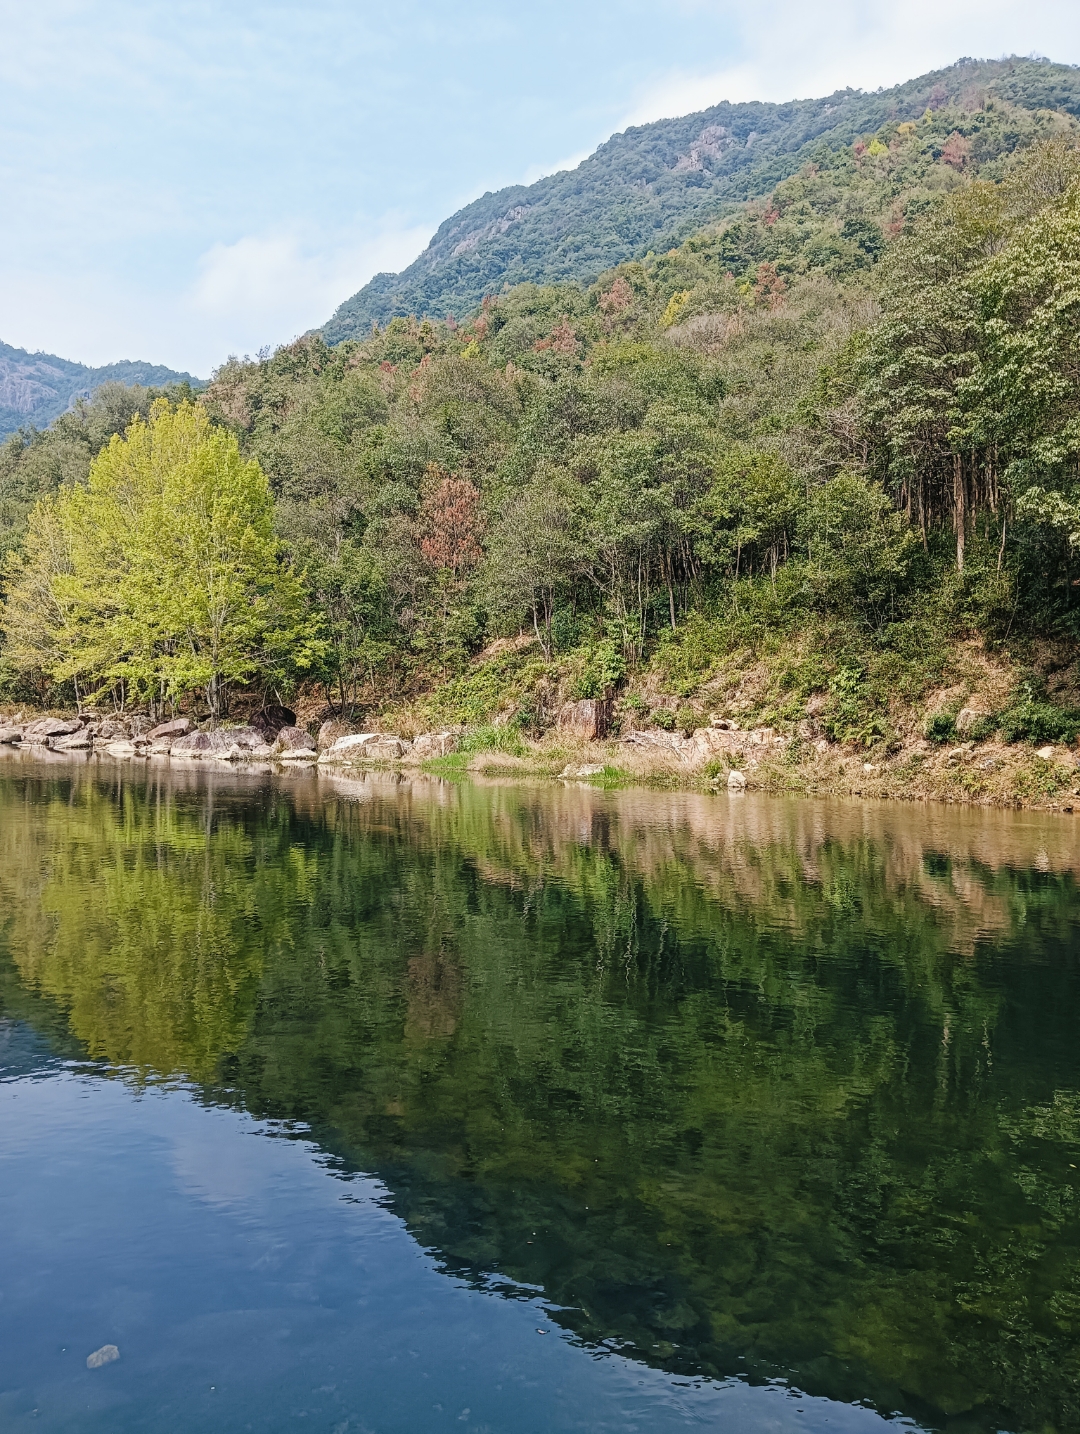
{"x":664,"y":718}
{"x":490,"y":738}
{"x":941,"y":728}
{"x":1030,"y":718}
{"x":686,"y":721}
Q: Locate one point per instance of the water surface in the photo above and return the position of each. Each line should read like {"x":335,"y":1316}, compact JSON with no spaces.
{"x":405,"y":1105}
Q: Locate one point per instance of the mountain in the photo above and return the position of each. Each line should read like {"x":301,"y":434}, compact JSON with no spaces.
{"x":37,"y":388}
{"x":654,"y":184}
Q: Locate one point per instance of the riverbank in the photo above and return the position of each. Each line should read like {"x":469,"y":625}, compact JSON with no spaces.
{"x":721,"y":755}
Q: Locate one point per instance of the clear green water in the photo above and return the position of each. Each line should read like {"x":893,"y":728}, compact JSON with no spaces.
{"x":321,"y":1100}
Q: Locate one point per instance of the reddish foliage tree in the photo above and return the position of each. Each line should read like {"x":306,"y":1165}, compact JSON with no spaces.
{"x":769,"y":286}
{"x":617,"y":299}
{"x":450,"y":522}
{"x":956,"y":151}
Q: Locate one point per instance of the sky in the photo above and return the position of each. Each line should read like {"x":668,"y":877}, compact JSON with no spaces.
{"x":198,"y":178}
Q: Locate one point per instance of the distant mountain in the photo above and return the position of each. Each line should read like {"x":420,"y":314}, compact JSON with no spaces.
{"x":37,"y":388}
{"x":655,"y":184}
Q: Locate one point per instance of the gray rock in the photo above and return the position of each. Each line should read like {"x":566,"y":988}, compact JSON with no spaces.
{"x":367,"y":747}
{"x":736,"y":781}
{"x":201,"y":744}
{"x":39,"y":731}
{"x":107,"y":1354}
{"x":10,"y":734}
{"x":178,"y":727}
{"x":73,"y":742}
{"x":124,"y":749}
{"x":434,"y":744}
{"x":293,"y":741}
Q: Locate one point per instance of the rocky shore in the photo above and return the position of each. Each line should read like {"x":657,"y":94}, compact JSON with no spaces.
{"x":271,"y":736}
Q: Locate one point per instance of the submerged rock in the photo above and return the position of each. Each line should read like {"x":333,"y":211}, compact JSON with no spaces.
{"x":107,"y":1354}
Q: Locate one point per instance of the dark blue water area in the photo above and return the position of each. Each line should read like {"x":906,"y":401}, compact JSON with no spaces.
{"x":249,"y":1284}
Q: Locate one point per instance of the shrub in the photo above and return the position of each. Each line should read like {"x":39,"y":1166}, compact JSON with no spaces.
{"x":664,"y":718}
{"x":941,"y":728}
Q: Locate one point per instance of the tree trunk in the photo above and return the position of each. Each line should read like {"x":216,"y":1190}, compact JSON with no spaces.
{"x":960,"y":508}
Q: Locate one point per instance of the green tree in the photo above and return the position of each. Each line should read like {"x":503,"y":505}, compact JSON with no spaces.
{"x":161,"y":575}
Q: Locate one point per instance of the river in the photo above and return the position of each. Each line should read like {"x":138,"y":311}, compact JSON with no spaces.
{"x":402,"y":1104}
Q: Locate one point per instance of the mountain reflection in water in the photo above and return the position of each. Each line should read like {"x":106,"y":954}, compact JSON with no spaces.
{"x":744,"y":1086}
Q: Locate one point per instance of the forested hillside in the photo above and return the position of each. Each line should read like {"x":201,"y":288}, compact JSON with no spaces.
{"x":37,"y":388}
{"x":816,"y":467}
{"x":655,"y":184}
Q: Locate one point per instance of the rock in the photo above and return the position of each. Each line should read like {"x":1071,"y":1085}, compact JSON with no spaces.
{"x":39,"y":731}
{"x":107,"y":1354}
{"x":593,"y":770}
{"x":162,"y":746}
{"x":434,"y":744}
{"x":589,"y":719}
{"x":111,"y":729}
{"x":821,"y":746}
{"x":967,"y":718}
{"x":10,"y":734}
{"x":1046,"y":753}
{"x":178,"y":727}
{"x":736,"y":781}
{"x":367,"y":747}
{"x":273,"y":720}
{"x":201,"y":744}
{"x":331,"y":731}
{"x":869,"y":767}
{"x":723,"y":724}
{"x":73,"y":742}
{"x":762,"y":736}
{"x":292,"y":741}
{"x":124,"y":749}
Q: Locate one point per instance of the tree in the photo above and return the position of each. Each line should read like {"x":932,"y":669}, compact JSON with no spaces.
{"x":161,"y":575}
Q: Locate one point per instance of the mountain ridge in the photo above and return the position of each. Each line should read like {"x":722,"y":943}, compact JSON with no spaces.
{"x":652,"y":185}
{"x":36,"y":388}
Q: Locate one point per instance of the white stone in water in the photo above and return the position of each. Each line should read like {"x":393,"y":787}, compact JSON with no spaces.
{"x":736,"y":781}
{"x":105,"y":1355}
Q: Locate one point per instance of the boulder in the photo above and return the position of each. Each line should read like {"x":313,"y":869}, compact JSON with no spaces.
{"x":73,"y":742}
{"x":10,"y":734}
{"x":123,"y":749}
{"x":178,"y":727}
{"x":332,"y":730}
{"x":202,"y":744}
{"x":291,"y":741}
{"x":434,"y":744}
{"x":37,"y":733}
{"x":589,"y":719}
{"x":367,"y":747}
{"x":111,"y":729}
{"x":273,"y":720}
{"x":736,"y":781}
{"x":969,"y":717}
{"x":162,"y":746}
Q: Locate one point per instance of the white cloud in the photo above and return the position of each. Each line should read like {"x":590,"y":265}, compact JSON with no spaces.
{"x":268,"y":288}
{"x":791,"y":50}
{"x":260,"y":290}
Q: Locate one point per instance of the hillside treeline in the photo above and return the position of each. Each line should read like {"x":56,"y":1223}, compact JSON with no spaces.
{"x":848,"y":417}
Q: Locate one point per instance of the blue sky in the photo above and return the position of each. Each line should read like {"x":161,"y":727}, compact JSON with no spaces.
{"x":187,"y":180}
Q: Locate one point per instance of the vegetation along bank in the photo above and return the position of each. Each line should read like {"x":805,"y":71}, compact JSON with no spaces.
{"x":796,"y":498}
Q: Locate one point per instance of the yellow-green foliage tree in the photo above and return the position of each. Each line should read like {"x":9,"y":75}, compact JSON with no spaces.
{"x":161,"y":576}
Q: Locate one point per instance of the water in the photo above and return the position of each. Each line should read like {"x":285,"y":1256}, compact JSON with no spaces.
{"x":407,"y":1106}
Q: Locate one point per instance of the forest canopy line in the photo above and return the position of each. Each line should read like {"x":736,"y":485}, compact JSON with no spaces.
{"x":839,"y":428}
